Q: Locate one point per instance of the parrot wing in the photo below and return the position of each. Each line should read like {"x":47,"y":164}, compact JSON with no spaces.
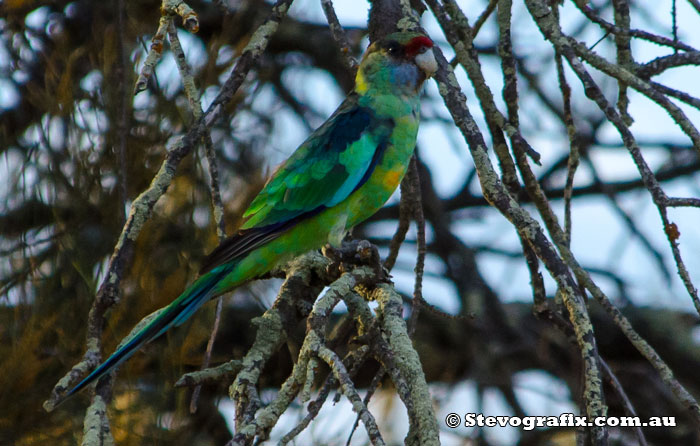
{"x":331,"y":164}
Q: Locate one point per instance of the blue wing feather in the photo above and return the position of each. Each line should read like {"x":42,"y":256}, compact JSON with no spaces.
{"x":325,"y":169}
{"x":300,"y":188}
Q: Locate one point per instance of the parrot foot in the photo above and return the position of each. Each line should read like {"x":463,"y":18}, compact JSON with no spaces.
{"x":354,"y":253}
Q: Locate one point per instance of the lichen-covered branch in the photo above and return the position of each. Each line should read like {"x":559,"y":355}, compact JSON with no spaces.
{"x":423,"y":428}
{"x":224,"y":372}
{"x":259,"y":423}
{"x":96,"y":431}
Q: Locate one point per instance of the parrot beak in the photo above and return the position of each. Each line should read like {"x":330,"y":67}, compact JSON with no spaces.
{"x":426,"y":62}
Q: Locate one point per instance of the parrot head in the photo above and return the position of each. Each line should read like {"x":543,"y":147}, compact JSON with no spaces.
{"x":397,"y":64}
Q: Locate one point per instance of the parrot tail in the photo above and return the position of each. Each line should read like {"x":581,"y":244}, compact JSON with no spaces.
{"x":174,"y":314}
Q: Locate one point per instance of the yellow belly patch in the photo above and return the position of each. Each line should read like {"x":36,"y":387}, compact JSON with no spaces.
{"x":392,"y":178}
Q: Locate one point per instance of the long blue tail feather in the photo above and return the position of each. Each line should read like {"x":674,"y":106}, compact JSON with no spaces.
{"x":174,"y":314}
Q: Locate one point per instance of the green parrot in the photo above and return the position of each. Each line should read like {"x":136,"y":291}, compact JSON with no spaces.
{"x":342,"y":174}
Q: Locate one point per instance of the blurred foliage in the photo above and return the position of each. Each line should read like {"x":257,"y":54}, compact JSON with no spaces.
{"x":67,"y":181}
{"x":64,"y":198}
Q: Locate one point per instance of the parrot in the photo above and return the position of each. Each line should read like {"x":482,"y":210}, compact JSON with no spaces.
{"x":339,"y":176}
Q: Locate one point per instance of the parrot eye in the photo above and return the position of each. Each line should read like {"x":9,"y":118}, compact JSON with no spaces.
{"x":422,"y":49}
{"x":393,"y":48}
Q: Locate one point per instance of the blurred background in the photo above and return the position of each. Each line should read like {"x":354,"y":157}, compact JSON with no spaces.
{"x":67,"y":70}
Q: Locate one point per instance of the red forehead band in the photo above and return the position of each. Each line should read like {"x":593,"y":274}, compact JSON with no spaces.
{"x":416,"y":44}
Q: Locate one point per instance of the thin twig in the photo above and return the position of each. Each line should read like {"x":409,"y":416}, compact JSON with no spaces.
{"x":122,"y":130}
{"x":405,"y":213}
{"x":628,"y":221}
{"x":609,"y":27}
{"x":417,"y":205}
{"x":573,"y":159}
{"x":154,"y":54}
{"x":484,"y":16}
{"x":373,"y":386}
{"x":348,"y":388}
{"x":355,"y":358}
{"x":338,"y":33}
{"x":663,"y":63}
{"x":626,"y":403}
{"x":624,"y":54}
